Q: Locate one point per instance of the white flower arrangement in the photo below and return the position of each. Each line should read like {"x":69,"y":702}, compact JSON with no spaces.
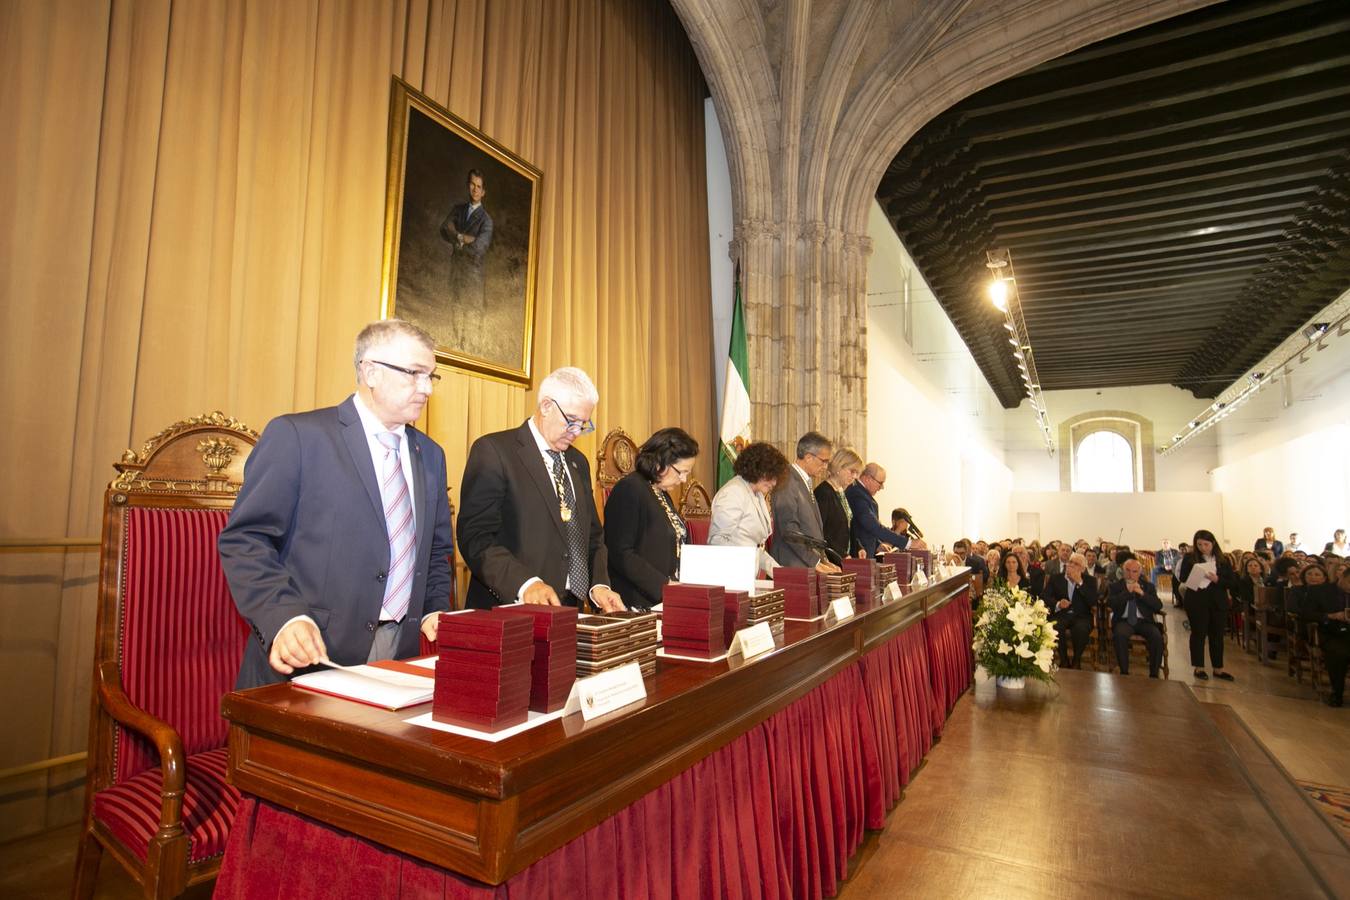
{"x":1014,"y":637}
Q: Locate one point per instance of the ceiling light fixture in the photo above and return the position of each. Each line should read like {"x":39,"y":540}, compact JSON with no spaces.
{"x":1004,"y":295}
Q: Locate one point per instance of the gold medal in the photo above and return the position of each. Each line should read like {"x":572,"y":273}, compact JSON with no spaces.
{"x":565,"y":512}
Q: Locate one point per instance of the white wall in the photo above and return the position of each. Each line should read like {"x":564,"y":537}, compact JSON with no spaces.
{"x":1140,"y":520}
{"x":932,"y":420}
{"x":720,"y":268}
{"x":1285,"y":455}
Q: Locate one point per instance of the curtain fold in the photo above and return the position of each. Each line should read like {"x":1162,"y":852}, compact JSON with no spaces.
{"x":193,"y":220}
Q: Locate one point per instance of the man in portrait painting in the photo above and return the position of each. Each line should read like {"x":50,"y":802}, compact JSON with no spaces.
{"x":468,"y":230}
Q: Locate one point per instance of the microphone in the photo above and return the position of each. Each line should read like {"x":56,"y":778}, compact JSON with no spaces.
{"x":805,"y":540}
{"x":913,"y":529}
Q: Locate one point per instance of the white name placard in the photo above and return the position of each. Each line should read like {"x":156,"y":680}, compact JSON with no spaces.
{"x":751,"y":642}
{"x":892,"y":591}
{"x":606,"y":692}
{"x":842,"y":607}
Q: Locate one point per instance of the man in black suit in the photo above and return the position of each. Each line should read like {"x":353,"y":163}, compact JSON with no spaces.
{"x":975,"y":563}
{"x":1134,"y":602}
{"x":1072,"y":598}
{"x":468,"y":231}
{"x":338,"y":545}
{"x":867,"y":528}
{"x":528,"y":528}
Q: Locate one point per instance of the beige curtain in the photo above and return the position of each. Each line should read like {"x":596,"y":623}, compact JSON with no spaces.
{"x":192,"y":198}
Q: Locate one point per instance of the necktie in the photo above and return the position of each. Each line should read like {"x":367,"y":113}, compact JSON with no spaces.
{"x":578,"y":575}
{"x":398,"y":522}
{"x":1131,"y":613}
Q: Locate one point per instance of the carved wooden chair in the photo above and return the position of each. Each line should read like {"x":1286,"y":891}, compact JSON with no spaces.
{"x":616,"y":458}
{"x":696,"y":510}
{"x":167,"y":648}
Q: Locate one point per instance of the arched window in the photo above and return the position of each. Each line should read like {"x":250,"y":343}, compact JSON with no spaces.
{"x":1104,"y":463}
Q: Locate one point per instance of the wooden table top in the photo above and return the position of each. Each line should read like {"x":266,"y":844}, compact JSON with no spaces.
{"x":489,"y":809}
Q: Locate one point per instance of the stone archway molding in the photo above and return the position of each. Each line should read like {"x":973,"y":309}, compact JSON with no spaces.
{"x":1135,"y":428}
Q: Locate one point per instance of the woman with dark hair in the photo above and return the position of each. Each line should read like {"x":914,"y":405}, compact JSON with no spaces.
{"x":1206,"y":601}
{"x":1035,"y":583}
{"x":740,"y":511}
{"x":1012,"y":572}
{"x":643,"y":528}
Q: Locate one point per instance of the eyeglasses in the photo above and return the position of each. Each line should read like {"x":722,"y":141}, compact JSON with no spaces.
{"x":880,"y":482}
{"x":576,"y":426}
{"x":823,"y":459}
{"x":431,"y":379}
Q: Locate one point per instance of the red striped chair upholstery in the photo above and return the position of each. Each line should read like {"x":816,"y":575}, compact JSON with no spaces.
{"x":696,"y":509}
{"x":168,"y":646}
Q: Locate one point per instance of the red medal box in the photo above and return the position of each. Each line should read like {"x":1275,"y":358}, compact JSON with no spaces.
{"x":514,"y":657}
{"x":679,"y":617}
{"x":692,"y":596}
{"x":785,"y":575}
{"x":451,"y":716}
{"x":702,"y":651}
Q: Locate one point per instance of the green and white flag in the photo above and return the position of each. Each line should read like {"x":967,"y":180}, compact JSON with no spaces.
{"x":735,"y":394}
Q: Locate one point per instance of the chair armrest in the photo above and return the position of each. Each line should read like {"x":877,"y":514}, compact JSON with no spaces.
{"x":172,"y":760}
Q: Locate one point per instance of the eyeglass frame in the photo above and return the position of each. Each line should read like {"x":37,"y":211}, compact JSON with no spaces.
{"x":576,"y":426}
{"x":432,"y":378}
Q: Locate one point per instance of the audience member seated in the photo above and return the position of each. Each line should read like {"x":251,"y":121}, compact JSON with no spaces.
{"x":1093,"y":564}
{"x":1072,"y":597}
{"x":973,"y":560}
{"x":643,"y":530}
{"x":1057,"y":565}
{"x":740,"y":512}
{"x":1310,"y":577}
{"x":1035,"y":574}
{"x":1012,"y":573}
{"x":1327,"y":605}
{"x":1134,"y":602}
{"x":1165,"y":560}
{"x":1281,"y":572}
{"x":1337,"y":544}
{"x":993,"y":561}
{"x":1268,"y":541}
{"x":1294,"y":545}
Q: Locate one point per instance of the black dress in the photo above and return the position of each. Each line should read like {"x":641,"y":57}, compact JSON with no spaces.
{"x":834,"y":520}
{"x":641,"y":537}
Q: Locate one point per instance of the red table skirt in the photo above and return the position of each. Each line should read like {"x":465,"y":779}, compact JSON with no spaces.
{"x":777,"y":813}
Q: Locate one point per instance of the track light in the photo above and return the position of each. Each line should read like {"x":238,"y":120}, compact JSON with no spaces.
{"x":998,"y":294}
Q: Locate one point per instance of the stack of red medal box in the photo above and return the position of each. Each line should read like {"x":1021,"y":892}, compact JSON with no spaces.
{"x":693,"y":620}
{"x":801,"y":591}
{"x":555,"y":654}
{"x":737,"y":614}
{"x":483,"y":669}
{"x":866,"y":579}
{"x":903,"y":563}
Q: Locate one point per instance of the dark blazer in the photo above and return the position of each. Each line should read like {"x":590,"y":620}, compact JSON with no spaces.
{"x":509,"y":527}
{"x":477,"y":225}
{"x":307,"y":537}
{"x":867,"y":528}
{"x":795,"y":510}
{"x":1118,"y":598}
{"x":1276,"y":547}
{"x":1215,"y":592}
{"x":1084,"y":597}
{"x":834,"y":521}
{"x":1036,"y":578}
{"x":640,"y":541}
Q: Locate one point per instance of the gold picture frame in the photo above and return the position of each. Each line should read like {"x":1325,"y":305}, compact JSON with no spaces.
{"x":466,"y":273}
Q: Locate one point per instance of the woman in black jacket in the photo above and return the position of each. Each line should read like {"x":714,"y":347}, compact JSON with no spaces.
{"x":643,"y":528}
{"x":1207,"y":606}
{"x":836,"y":518}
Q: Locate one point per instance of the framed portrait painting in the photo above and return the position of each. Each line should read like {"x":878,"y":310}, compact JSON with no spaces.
{"x":460,"y":239}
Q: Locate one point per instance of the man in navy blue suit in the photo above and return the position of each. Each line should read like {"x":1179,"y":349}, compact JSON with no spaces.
{"x":338,"y":547}
{"x":867,"y":527}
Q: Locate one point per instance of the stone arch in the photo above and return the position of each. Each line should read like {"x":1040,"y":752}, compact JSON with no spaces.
{"x":815,"y":98}
{"x":1136,"y":429}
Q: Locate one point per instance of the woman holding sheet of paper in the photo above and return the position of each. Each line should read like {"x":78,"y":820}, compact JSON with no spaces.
{"x":1208,"y":578}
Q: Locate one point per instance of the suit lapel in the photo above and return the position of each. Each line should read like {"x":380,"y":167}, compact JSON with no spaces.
{"x":533,"y":462}
{"x":359,"y":447}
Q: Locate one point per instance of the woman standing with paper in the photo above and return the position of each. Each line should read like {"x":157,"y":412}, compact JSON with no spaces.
{"x":1208,"y":578}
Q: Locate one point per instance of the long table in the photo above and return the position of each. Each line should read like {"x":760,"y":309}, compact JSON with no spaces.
{"x":774,"y":766}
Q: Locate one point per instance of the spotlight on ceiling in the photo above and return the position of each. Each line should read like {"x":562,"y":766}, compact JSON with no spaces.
{"x":1256,"y":376}
{"x":998,"y":294}
{"x":1316,"y":330}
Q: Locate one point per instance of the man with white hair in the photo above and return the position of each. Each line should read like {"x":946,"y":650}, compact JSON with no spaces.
{"x":1134,"y":602}
{"x":338,"y":545}
{"x":528,"y":528}
{"x":1072,"y":598}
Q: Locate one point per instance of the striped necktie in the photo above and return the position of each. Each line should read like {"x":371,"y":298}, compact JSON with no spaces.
{"x":398,"y":521}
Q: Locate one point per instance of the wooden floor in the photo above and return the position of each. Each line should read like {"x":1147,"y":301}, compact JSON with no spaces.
{"x":1103,"y":786}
